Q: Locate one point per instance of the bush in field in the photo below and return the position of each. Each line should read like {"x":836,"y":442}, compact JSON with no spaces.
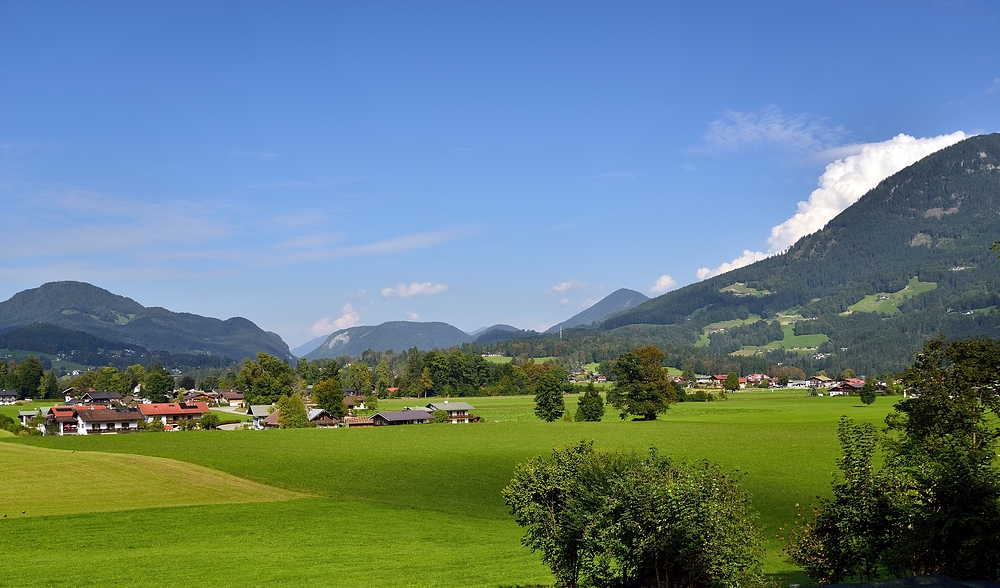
{"x":209,"y":420}
{"x":619,"y":519}
{"x":440,"y":416}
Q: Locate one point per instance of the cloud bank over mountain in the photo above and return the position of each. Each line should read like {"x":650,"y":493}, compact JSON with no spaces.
{"x":841,"y":185}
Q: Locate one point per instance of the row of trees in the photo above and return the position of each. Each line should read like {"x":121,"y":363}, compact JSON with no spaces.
{"x":933,"y":505}
{"x":28,"y":378}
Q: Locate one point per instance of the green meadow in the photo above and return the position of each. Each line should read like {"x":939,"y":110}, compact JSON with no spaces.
{"x":395,"y":506}
{"x":887,"y":302}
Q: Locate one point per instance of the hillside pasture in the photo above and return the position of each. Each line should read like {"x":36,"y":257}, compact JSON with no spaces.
{"x":388,"y":489}
{"x":887,"y":303}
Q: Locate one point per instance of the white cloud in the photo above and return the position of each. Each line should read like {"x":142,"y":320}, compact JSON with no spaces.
{"x":994,"y":87}
{"x":841,"y":185}
{"x":663,"y":284}
{"x":735,"y":130}
{"x":747,"y":258}
{"x":414,"y":289}
{"x":348,"y":318}
{"x":412,"y":316}
{"x":359,"y":294}
{"x":564,"y":287}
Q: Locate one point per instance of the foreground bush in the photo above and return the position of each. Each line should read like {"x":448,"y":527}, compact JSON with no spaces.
{"x":618,"y":519}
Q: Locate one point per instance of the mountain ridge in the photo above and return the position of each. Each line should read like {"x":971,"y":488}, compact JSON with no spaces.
{"x":79,"y":306}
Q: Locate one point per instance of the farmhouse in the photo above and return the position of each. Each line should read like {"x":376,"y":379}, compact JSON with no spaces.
{"x":321,"y":418}
{"x":259,"y":412}
{"x":26,"y":416}
{"x":233,"y":397}
{"x":105,"y":398}
{"x":458,"y":412}
{"x":9,"y":396}
{"x":820,"y":381}
{"x":98,"y":421}
{"x":401,"y":417}
{"x":172,"y":413}
{"x":352,"y":422}
{"x":847,"y":386}
{"x":354,"y":402}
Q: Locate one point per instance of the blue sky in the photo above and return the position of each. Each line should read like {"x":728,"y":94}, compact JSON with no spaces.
{"x":314,"y":165}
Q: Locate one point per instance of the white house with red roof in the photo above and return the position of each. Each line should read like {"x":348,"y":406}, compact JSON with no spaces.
{"x":172,"y":413}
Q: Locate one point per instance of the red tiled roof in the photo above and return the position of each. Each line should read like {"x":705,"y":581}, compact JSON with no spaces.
{"x":172,"y":408}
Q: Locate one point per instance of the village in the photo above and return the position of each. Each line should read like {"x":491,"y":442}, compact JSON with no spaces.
{"x":102,"y":413}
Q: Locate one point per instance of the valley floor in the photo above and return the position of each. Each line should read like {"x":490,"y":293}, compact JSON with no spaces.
{"x":389,"y":506}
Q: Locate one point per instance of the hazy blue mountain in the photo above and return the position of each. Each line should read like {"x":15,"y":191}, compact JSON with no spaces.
{"x":501,"y":332}
{"x":395,"y":335}
{"x":311,"y":345}
{"x":79,"y":306}
{"x":618,"y":301}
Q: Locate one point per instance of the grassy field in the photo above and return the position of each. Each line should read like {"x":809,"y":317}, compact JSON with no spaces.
{"x":418,"y":505}
{"x":791,"y":342}
{"x":887,"y":303}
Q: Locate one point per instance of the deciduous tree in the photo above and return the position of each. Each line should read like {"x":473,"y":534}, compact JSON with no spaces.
{"x":549,"y":404}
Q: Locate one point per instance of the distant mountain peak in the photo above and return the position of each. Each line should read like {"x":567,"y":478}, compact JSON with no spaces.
{"x":618,"y":301}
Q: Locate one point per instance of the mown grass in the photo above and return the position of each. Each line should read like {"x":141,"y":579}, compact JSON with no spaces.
{"x":451,"y":475}
{"x":41,"y":482}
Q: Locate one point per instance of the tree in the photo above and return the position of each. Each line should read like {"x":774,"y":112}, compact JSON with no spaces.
{"x":187,"y":383}
{"x":49,"y":386}
{"x":359,"y":377}
{"x":549,"y":405}
{"x":293,"y":412}
{"x":947,"y":449}
{"x":209,"y":420}
{"x":641,"y":387}
{"x":159,"y":383}
{"x":329,"y":395}
{"x":425,"y":383}
{"x":688,"y":374}
{"x":852,"y":533}
{"x":591,"y":406}
{"x":867,"y":392}
{"x":618,"y":519}
{"x":732,"y":382}
{"x":382,"y":379}
{"x":28,"y":375}
{"x":440,"y":417}
{"x":265,"y":380}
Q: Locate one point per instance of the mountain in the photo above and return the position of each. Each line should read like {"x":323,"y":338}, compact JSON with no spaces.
{"x":79,"y":306}
{"x":50,"y":339}
{"x":305,"y":348}
{"x":498,"y":333}
{"x":396,"y":335}
{"x":618,"y":301}
{"x":908,"y":261}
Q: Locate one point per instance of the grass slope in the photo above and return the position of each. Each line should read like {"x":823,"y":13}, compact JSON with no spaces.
{"x":887,"y":302}
{"x":45,"y":482}
{"x":450,"y":477}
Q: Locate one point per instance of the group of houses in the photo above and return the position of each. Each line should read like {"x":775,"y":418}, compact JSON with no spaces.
{"x":266,"y":417}
{"x":94,"y":418}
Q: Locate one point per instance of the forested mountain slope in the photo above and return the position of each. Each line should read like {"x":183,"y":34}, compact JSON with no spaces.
{"x":79,"y":306}
{"x":934,"y":221}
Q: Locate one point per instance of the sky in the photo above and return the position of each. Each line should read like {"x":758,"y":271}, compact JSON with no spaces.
{"x":313,"y":166}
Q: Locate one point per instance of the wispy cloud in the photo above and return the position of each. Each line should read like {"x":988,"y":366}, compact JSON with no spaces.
{"x":841,"y":185}
{"x":412,"y":316}
{"x":414,"y":289}
{"x":664,"y":283}
{"x":995,"y":87}
{"x":736,"y":130}
{"x":572,"y":292}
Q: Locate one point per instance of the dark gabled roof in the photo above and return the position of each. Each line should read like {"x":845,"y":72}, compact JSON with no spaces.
{"x":450,"y":406}
{"x":10,"y":393}
{"x":106,"y":415}
{"x":403,"y":415}
{"x":103,"y":396}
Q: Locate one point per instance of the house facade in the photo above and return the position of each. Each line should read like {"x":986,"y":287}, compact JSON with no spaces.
{"x":9,"y":396}
{"x":101,"y":421}
{"x":401,"y":417}
{"x":458,"y":412}
{"x":173,"y":413}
